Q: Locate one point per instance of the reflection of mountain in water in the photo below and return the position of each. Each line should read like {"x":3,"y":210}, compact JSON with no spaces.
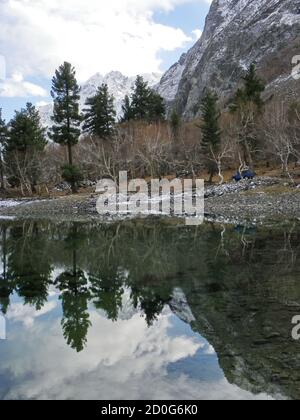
{"x":239,"y":289}
{"x":252,"y":337}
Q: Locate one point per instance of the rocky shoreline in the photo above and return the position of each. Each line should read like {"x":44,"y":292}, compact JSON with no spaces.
{"x":260,"y":201}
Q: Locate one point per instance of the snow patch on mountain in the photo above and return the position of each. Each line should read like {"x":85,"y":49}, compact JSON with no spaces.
{"x":180,"y":307}
{"x":118,"y":85}
{"x":169,"y":83}
{"x":236,"y":34}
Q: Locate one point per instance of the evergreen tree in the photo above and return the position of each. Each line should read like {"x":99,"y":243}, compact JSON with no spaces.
{"x":140,"y":99}
{"x":211,"y":134}
{"x":66,"y":116}
{"x":251,"y":91}
{"x":127,"y":113}
{"x":254,"y":86}
{"x":26,"y":138}
{"x":100,"y":117}
{"x":146,"y":105}
{"x":3,"y":141}
{"x":157,"y":107}
{"x":25,"y":131}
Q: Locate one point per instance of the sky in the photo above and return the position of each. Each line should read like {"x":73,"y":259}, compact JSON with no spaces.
{"x":131,"y":36}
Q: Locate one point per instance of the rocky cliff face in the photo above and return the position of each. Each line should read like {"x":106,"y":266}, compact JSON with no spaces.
{"x":237,"y":33}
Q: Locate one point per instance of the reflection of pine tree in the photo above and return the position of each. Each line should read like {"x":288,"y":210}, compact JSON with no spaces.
{"x":150,"y":303}
{"x":28,"y":264}
{"x":107,"y":290}
{"x":74,"y":297}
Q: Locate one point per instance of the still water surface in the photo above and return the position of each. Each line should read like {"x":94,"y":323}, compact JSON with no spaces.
{"x":144,"y":310}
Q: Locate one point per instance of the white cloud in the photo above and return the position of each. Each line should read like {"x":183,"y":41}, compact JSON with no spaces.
{"x":197,"y":33}
{"x":98,"y":35}
{"x":16,"y":86}
{"x":27,"y":314}
{"x":41,"y":103}
{"x":123,"y":360}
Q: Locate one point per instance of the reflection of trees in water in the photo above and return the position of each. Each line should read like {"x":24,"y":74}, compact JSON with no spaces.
{"x":287,"y":255}
{"x":27,"y":269}
{"x":150,"y":260}
{"x":6,"y":286}
{"x":107,"y":289}
{"x":149,"y":301}
{"x":242,"y":285}
{"x":74,"y":296}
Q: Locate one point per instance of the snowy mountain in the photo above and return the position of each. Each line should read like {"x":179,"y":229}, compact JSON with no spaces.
{"x":118,"y":84}
{"x":237,"y":33}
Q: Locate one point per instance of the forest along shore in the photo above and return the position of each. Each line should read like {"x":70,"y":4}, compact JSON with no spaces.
{"x":253,"y":202}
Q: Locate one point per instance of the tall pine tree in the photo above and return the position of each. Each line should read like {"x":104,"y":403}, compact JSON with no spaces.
{"x":3,"y":141}
{"x":66,"y":116}
{"x":211,"y":133}
{"x":100,"y":116}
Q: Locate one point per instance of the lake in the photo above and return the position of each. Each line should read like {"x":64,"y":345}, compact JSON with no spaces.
{"x":149,"y":310}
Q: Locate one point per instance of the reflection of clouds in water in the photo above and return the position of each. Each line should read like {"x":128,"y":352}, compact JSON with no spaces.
{"x":18,"y":312}
{"x":123,"y":360}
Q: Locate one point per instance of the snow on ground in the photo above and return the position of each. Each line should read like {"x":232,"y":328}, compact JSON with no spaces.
{"x":9,"y":203}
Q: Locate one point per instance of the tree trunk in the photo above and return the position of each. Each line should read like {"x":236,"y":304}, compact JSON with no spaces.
{"x":220,"y":172}
{"x":2,"y":186}
{"x":70,"y":158}
{"x":247,"y":154}
{"x":70,"y":155}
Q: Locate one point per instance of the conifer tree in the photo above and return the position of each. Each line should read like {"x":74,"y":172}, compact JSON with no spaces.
{"x":140,"y":99}
{"x":3,"y":141}
{"x":25,"y":131}
{"x":251,"y":91}
{"x":211,"y":133}
{"x":127,"y":113}
{"x":157,"y":107}
{"x":146,"y":104}
{"x":66,"y":116}
{"x":25,"y":140}
{"x":100,"y":116}
{"x":254,"y":86}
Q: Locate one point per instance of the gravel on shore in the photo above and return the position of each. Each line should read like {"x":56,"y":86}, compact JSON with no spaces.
{"x":252,"y":202}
